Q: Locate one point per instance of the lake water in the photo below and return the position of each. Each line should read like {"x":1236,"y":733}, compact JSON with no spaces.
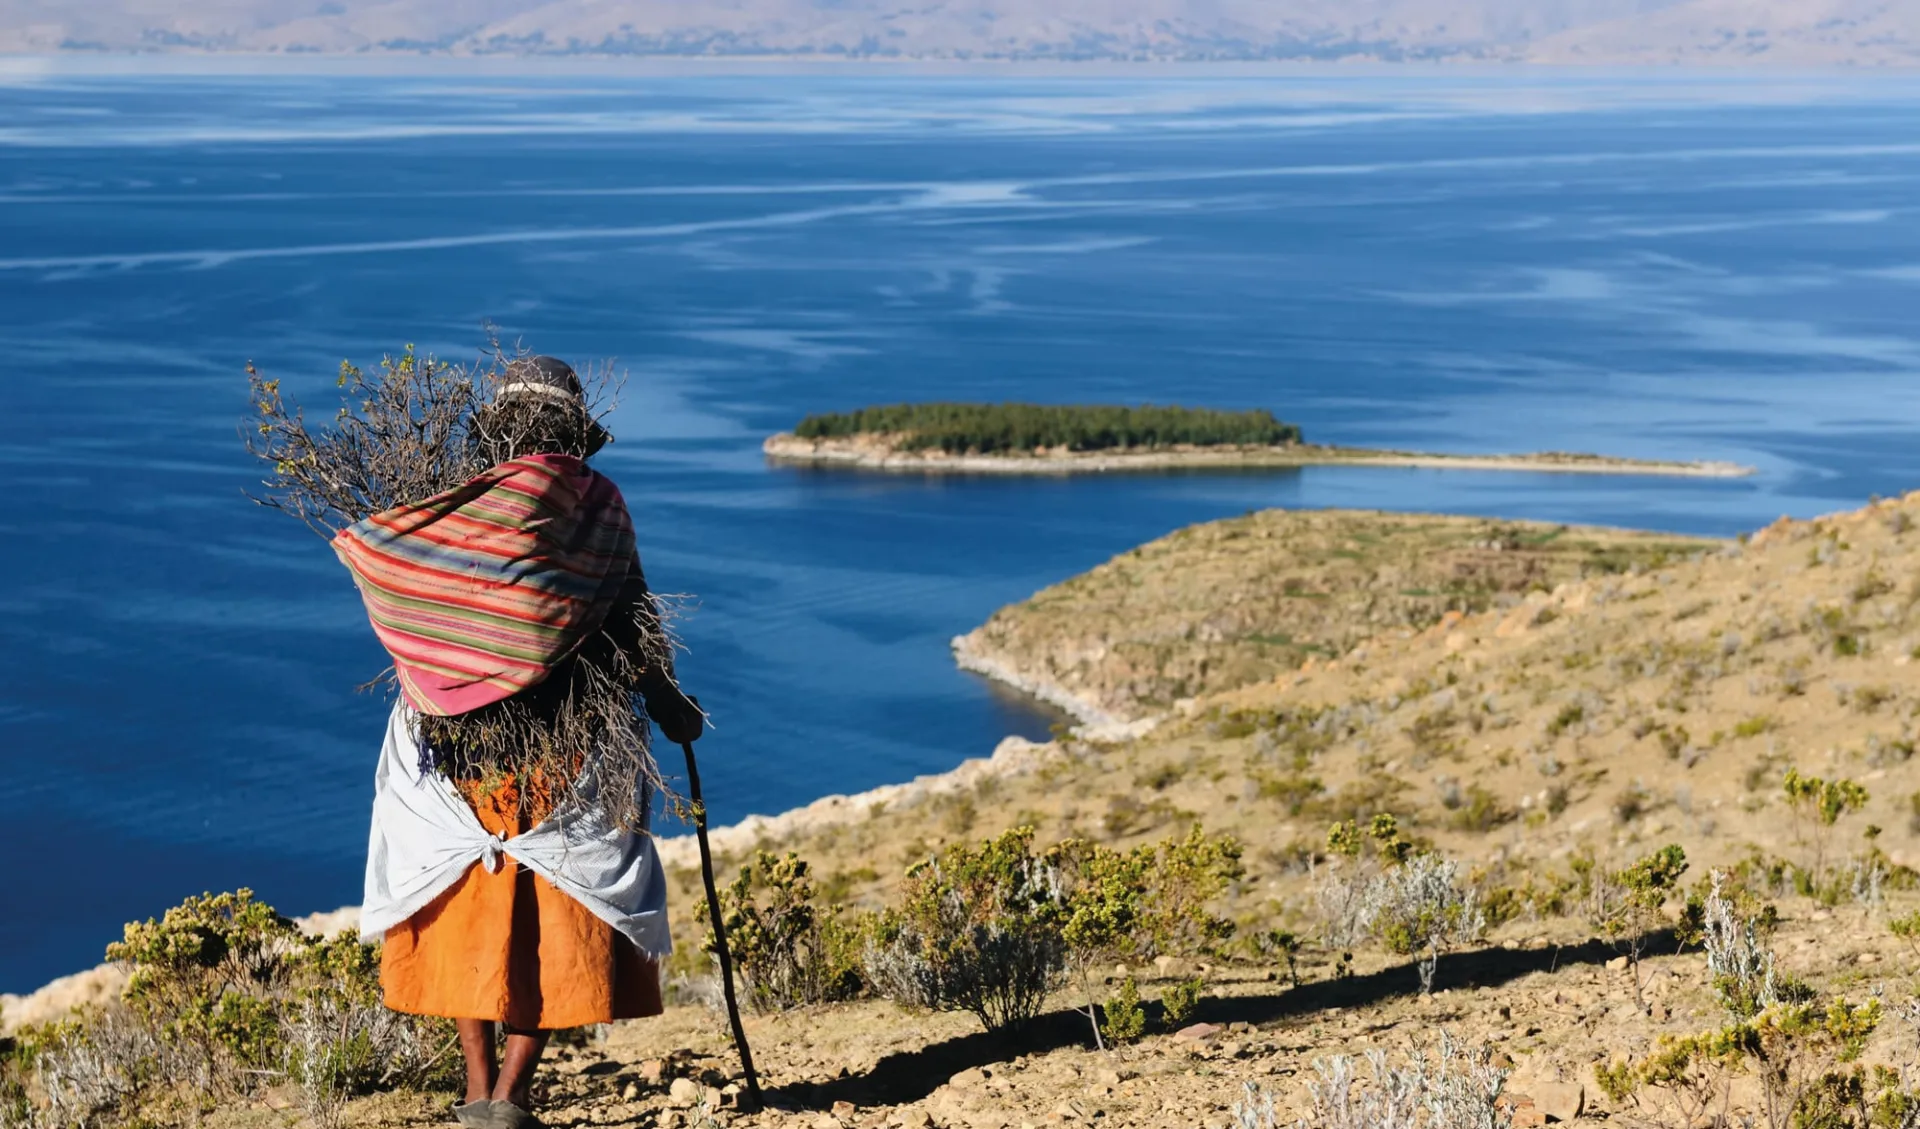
{"x":1676,"y":266}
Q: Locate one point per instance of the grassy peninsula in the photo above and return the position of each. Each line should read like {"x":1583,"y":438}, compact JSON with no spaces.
{"x":1017,"y":438}
{"x":1230,"y":603}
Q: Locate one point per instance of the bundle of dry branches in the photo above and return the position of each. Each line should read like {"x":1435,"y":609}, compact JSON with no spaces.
{"x":417,"y":427}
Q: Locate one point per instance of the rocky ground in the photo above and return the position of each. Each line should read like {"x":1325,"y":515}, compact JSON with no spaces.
{"x":1548,"y":999}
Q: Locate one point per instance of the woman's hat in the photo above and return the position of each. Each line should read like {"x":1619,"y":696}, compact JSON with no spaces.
{"x":541,"y":376}
{"x":532,"y":380}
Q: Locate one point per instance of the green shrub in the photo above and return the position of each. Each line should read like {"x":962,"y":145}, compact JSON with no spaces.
{"x":1817,"y":805}
{"x":1482,"y":810}
{"x":225,"y":997}
{"x":978,"y":929}
{"x":1626,"y":905}
{"x":992,"y":928}
{"x":1283,"y":944}
{"x":1186,"y":875}
{"x":1293,"y":790}
{"x":786,"y":951}
{"x":1182,"y":999}
{"x":1125,"y":1020}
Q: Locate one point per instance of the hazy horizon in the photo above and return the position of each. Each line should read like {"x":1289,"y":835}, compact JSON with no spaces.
{"x":1847,"y":33}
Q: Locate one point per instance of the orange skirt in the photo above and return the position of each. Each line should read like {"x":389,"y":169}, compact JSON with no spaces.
{"x":512,"y":948}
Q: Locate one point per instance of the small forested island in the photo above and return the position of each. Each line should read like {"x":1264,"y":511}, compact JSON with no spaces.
{"x":1020,"y":438}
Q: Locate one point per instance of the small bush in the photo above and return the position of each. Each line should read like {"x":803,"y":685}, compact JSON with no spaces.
{"x":1632,"y":802}
{"x":786,"y":951}
{"x":1626,"y":905}
{"x":1280,"y":943}
{"x":1293,"y":790}
{"x":1817,"y":806}
{"x":226,"y":997}
{"x":1907,"y":929}
{"x":1125,"y":1020}
{"x":1181,"y":1000}
{"x":1455,"y":1089}
{"x":978,"y":930}
{"x":991,"y":929}
{"x":1412,"y":903}
{"x":1481,"y":810}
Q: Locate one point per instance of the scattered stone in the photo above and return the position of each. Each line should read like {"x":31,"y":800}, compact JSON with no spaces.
{"x":1194,"y":1033}
{"x":653,"y":1071}
{"x":1526,"y":1115}
{"x":684,"y":1093}
{"x":1617,"y":964}
{"x":843,"y":1110}
{"x":968,"y":1079}
{"x":1560,"y":1101}
{"x":630,"y":1092}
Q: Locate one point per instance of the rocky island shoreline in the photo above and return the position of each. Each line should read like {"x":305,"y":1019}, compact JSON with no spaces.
{"x":878,"y":453}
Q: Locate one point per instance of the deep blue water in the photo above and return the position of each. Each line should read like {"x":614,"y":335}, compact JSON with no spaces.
{"x":1687,"y":267}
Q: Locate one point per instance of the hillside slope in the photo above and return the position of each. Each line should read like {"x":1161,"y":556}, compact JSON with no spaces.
{"x":1577,"y":729}
{"x":1581,"y":727}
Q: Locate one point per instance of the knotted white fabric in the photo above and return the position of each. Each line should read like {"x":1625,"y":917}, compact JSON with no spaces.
{"x":425,"y":837}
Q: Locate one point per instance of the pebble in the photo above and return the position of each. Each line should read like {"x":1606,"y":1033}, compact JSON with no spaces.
{"x":684,"y":1093}
{"x":1193,"y":1033}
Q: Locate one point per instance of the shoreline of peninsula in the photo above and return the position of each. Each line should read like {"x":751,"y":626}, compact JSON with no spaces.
{"x":883,"y":454}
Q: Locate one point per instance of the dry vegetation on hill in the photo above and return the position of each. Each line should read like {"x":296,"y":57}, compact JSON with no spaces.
{"x":1563,"y":750}
{"x":1229,"y":603}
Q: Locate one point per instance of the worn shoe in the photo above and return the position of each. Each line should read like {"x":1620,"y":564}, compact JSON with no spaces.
{"x":506,"y":1115}
{"x":475,"y":1114}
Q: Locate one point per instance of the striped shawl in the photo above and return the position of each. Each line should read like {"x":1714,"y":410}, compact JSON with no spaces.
{"x":478,"y":593}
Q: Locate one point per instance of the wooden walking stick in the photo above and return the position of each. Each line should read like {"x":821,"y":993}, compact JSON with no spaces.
{"x":719,"y":927}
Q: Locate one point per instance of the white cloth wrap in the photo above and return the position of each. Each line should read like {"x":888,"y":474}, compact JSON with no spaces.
{"x":425,"y":836}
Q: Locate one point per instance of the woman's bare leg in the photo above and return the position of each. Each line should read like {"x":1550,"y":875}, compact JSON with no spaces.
{"x":476,"y":1044}
{"x":515,"y":1083}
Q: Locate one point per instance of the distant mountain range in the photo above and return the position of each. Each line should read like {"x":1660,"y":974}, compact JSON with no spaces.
{"x":1784,"y":32}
